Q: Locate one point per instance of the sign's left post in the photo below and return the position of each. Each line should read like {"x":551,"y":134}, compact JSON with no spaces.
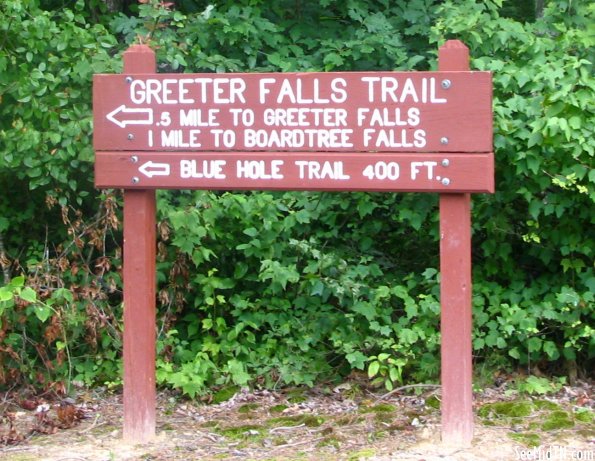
{"x":139,"y":290}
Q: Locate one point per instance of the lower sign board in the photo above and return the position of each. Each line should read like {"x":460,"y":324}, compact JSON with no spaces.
{"x":435,"y":172}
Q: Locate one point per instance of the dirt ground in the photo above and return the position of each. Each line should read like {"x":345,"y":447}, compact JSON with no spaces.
{"x":345,"y":422}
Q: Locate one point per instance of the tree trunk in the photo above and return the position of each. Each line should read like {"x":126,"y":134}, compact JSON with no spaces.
{"x":4,"y":261}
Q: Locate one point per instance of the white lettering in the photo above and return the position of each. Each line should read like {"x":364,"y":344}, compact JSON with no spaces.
{"x":287,"y":139}
{"x":308,"y":169}
{"x":339,"y":94}
{"x":180,"y":138}
{"x":209,"y":169}
{"x":196,"y":117}
{"x":258,"y":169}
{"x":228,"y":137}
{"x":415,"y":169}
{"x":263,"y":89}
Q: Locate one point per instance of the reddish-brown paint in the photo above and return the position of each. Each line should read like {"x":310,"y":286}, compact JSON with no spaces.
{"x":470,"y":167}
{"x":452,"y":172}
{"x":139,"y":292}
{"x":465,"y":119}
{"x":455,"y":293}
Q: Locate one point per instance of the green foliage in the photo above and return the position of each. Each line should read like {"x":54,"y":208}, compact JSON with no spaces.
{"x":535,"y":236}
{"x":540,"y":386}
{"x":289,"y":288}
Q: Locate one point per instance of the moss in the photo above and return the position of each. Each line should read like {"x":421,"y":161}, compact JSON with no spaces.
{"x":247,"y":408}
{"x":278,"y":408}
{"x":307,"y":420}
{"x":313,"y":421}
{"x":377,"y":435}
{"x":361,"y":455}
{"x":349,"y":420}
{"x":240,"y":432}
{"x":380,"y":408}
{"x":330,"y":441}
{"x":210,"y":424}
{"x":384,"y":417}
{"x":546,"y":405}
{"x":285,"y":421}
{"x":396,"y":427}
{"x":557,"y":420}
{"x":296,"y":396}
{"x":433,"y":402}
{"x":529,"y":439}
{"x":584,"y":415}
{"x":506,"y":410}
{"x":223,"y":395}
{"x":278,"y":440}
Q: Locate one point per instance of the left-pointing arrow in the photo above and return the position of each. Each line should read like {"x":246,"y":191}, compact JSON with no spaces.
{"x":123,"y":116}
{"x":151,"y":169}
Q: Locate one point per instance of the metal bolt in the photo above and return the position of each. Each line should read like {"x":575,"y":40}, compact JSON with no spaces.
{"x":445,"y":182}
{"x":135,"y":180}
{"x":130,"y":136}
{"x":445,"y":162}
{"x":443,"y":140}
{"x":134,"y":159}
{"x":128,"y":79}
{"x":446,"y":84}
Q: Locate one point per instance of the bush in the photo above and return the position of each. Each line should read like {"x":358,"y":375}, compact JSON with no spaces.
{"x":290,"y":288}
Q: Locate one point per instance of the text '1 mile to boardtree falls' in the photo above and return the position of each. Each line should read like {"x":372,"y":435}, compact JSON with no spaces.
{"x":394,"y":131}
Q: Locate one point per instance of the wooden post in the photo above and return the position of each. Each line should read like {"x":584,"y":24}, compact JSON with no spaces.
{"x":455,"y":293}
{"x":139,"y":291}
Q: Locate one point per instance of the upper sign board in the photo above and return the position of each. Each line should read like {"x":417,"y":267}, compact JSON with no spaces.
{"x":294,"y":112}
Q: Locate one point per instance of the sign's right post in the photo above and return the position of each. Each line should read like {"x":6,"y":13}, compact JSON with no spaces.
{"x":455,"y":292}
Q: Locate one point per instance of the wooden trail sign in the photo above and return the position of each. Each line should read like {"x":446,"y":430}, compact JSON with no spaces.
{"x":296,"y":171}
{"x":344,"y":131}
{"x":320,"y":112}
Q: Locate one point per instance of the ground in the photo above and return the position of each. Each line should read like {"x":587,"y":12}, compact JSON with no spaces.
{"x":345,"y":422}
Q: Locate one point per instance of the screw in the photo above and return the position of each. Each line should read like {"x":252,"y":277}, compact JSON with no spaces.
{"x":134,"y":159}
{"x":446,"y":84}
{"x":443,"y":140}
{"x":135,"y":180}
{"x":130,"y":136}
{"x":128,"y":79}
{"x":445,"y":162}
{"x":445,"y":182}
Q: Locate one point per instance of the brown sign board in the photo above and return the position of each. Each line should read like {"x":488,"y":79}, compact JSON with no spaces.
{"x":294,"y":112}
{"x":369,"y":131}
{"x":430,"y":172}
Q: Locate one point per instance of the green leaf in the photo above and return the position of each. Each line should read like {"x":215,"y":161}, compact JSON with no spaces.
{"x":365,"y":309}
{"x":5,"y":294}
{"x":534,"y":344}
{"x":356,"y":359}
{"x":18,"y":282}
{"x":373,"y":369}
{"x":28,"y":294}
{"x":42,"y":312}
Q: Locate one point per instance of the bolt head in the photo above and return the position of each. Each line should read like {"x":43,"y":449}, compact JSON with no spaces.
{"x":130,"y":136}
{"x":128,"y":79}
{"x":445,"y":182}
{"x":446,"y":84}
{"x":445,"y":162}
{"x":134,"y":159}
{"x":444,"y":140}
{"x":135,"y":180}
